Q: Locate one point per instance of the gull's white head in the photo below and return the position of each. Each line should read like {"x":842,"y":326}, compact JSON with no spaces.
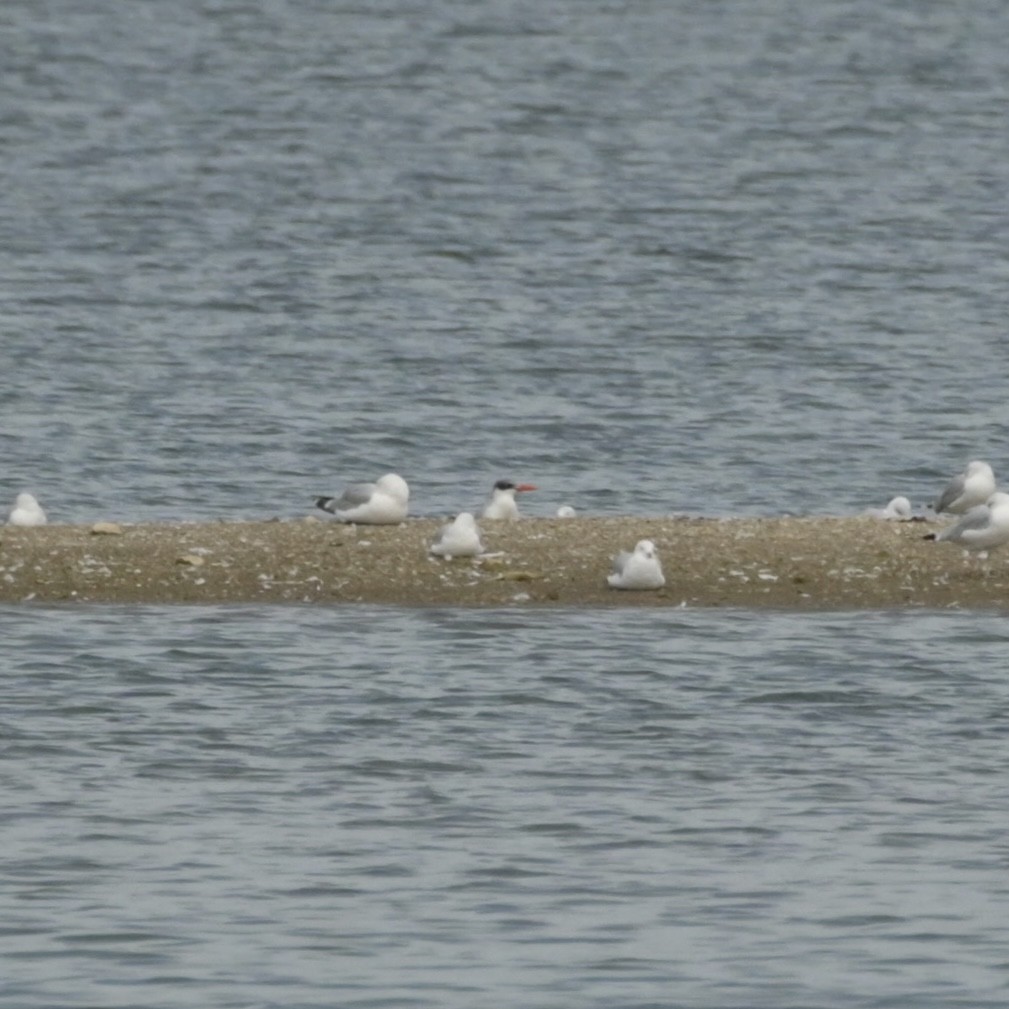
{"x":899,"y":507}
{"x":645,"y":548}
{"x":979,"y":474}
{"x":395,"y":486}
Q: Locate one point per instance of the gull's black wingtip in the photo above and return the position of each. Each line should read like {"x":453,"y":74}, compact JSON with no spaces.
{"x":929,"y":536}
{"x":325,"y":503}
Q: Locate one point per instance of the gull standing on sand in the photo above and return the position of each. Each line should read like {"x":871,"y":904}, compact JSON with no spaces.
{"x":26,"y":512}
{"x":974,"y":486}
{"x":502,"y":503}
{"x":984,"y":527}
{"x":460,"y":538}
{"x":898,"y":509}
{"x":638,"y":570}
{"x":383,"y":502}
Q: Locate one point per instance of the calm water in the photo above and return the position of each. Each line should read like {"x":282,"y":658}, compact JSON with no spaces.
{"x":651,"y":255}
{"x":465,"y":809}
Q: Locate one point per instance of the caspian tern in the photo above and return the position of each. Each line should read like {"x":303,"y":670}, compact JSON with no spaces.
{"x":502,"y":504}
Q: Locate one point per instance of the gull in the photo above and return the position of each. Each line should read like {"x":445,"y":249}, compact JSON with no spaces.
{"x":460,"y":538}
{"x":898,"y":509}
{"x":638,"y":570}
{"x":983,"y":528}
{"x":502,"y":500}
{"x":566,"y":512}
{"x":974,"y":486}
{"x":383,"y":502}
{"x":26,"y":512}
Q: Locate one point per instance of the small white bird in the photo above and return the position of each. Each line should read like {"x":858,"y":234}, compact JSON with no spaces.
{"x":984,"y":527}
{"x":974,"y":486}
{"x":638,"y":570}
{"x":26,"y":512}
{"x":898,"y":509}
{"x":566,"y":512}
{"x":383,"y":502}
{"x":502,"y":504}
{"x":460,"y":538}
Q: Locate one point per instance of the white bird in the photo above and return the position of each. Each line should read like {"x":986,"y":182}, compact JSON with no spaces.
{"x":974,"y":486}
{"x":566,"y":512}
{"x":638,"y":570}
{"x":383,"y":502}
{"x":26,"y":512}
{"x":984,"y":527}
{"x":502,"y":503}
{"x":898,"y":509}
{"x":460,"y":538}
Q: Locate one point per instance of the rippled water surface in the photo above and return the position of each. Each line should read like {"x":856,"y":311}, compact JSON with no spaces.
{"x":652,"y":256}
{"x":303,"y":807}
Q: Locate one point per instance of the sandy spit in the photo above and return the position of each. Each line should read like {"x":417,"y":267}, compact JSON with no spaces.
{"x":785,"y":563}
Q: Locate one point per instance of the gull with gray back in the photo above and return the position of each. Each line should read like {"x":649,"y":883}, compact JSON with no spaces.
{"x":383,"y":502}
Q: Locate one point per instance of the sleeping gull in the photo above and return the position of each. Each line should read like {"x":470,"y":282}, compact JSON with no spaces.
{"x":383,"y":502}
{"x":566,"y":512}
{"x":26,"y":512}
{"x":460,"y":538}
{"x":638,"y":570}
{"x":974,"y":486}
{"x":984,"y":527}
{"x":898,"y":509}
{"x":502,"y":500}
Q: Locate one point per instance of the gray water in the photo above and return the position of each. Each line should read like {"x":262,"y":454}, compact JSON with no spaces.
{"x":653,"y":256}
{"x":466,"y":809}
